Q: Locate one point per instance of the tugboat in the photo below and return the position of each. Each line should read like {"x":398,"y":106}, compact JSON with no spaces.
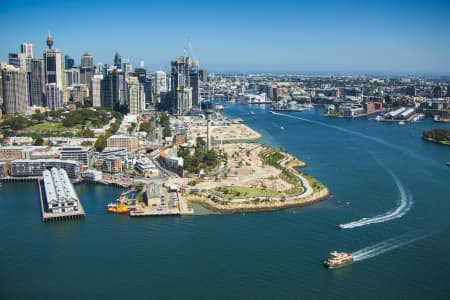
{"x":118,"y":208}
{"x":338,"y":259}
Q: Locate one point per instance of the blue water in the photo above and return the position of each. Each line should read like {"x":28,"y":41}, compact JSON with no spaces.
{"x":270,"y":255}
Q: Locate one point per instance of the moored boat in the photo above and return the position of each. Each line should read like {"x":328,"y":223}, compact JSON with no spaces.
{"x":118,"y":209}
{"x":338,"y":259}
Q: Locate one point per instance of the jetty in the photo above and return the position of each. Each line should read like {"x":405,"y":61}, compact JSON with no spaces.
{"x":58,"y":200}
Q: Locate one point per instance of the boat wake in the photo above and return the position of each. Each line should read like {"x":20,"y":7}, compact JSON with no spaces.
{"x":406,"y":202}
{"x":356,"y":133}
{"x":384,"y":247}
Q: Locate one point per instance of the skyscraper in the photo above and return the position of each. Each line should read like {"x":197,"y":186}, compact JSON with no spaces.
{"x":53,"y":68}
{"x":109,"y":89}
{"x":87,"y":69}
{"x":160,"y":82}
{"x":27,"y":49}
{"x":72,"y":76}
{"x":184,"y":83}
{"x":14,"y":86}
{"x":14,"y":59}
{"x":37,"y":86}
{"x":69,"y":62}
{"x":118,"y":61}
{"x":96,"y":90}
{"x":438,"y":92}
{"x":54,"y":96}
{"x":136,"y":95}
{"x":194,"y":82}
{"x":203,"y":75}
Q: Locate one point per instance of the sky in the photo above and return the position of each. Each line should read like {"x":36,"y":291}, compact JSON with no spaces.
{"x":395,"y":36}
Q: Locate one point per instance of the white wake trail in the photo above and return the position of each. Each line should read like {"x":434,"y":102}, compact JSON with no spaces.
{"x":406,"y":202}
{"x":383,"y":247}
{"x":368,"y":137}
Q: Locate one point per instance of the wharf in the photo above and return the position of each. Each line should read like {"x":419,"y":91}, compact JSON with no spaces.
{"x":46,"y":216}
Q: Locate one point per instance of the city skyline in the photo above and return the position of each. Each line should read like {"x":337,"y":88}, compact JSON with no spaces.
{"x":289,"y":36}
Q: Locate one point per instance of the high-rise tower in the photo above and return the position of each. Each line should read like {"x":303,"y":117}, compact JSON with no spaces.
{"x":87,"y":69}
{"x":53,"y":69}
{"x":184,"y":83}
{"x":15,"y":92}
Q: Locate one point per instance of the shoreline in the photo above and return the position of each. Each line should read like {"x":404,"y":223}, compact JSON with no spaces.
{"x":264,"y":206}
{"x":436,"y":142}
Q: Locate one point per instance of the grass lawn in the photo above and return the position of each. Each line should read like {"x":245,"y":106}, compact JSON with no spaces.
{"x":240,"y":191}
{"x":46,"y":127}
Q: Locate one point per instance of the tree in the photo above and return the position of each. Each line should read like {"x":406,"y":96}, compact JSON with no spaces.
{"x":100,"y":143}
{"x":38,"y":117}
{"x":39,"y":141}
{"x":146,"y":126}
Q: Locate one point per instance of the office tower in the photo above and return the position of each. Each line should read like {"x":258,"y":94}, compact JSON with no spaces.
{"x":78,"y":92}
{"x":37,"y":86}
{"x":14,"y":86}
{"x":136,"y":95}
{"x":118,"y":61}
{"x":72,"y":76}
{"x":184,"y":84}
{"x":99,"y":68}
{"x":160,"y":82}
{"x":54,"y":96}
{"x":14,"y":59}
{"x":438,"y":92}
{"x":411,"y":91}
{"x":69,"y":62}
{"x":87,"y":69}
{"x":148,"y":90}
{"x":27,"y":49}
{"x":141,"y":74}
{"x":194,"y":82}
{"x":203,"y":75}
{"x":53,"y":68}
{"x":96,"y":90}
{"x":109,"y":89}
{"x":126,"y":68}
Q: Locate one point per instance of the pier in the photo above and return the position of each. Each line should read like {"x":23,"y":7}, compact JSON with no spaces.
{"x":46,"y":216}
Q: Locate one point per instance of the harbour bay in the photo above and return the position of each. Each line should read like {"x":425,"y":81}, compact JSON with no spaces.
{"x":254,"y":255}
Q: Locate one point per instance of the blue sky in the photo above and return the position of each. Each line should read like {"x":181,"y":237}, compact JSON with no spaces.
{"x":282,"y":36}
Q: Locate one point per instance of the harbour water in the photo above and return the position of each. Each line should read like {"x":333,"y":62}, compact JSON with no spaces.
{"x":390,"y":188}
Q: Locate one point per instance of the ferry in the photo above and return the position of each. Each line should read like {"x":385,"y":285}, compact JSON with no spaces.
{"x":338,"y":259}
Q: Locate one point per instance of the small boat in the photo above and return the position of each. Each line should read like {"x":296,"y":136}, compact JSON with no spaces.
{"x":118,"y":209}
{"x":448,"y":164}
{"x":252,"y":112}
{"x":338,"y":259}
{"x":401,"y":123}
{"x":281,"y":127}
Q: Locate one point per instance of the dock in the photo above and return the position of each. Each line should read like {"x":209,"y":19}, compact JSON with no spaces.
{"x":182,"y":210}
{"x":46,"y":216}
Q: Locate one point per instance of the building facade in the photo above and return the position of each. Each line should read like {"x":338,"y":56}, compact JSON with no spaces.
{"x":14,"y":89}
{"x":136,"y":95}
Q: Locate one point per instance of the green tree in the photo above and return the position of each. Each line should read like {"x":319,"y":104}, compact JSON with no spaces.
{"x":100,"y":143}
{"x":146,"y":126}
{"x":38,"y":117}
{"x":39,"y":141}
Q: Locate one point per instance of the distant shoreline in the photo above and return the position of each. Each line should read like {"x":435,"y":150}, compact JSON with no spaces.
{"x":445,"y":143}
